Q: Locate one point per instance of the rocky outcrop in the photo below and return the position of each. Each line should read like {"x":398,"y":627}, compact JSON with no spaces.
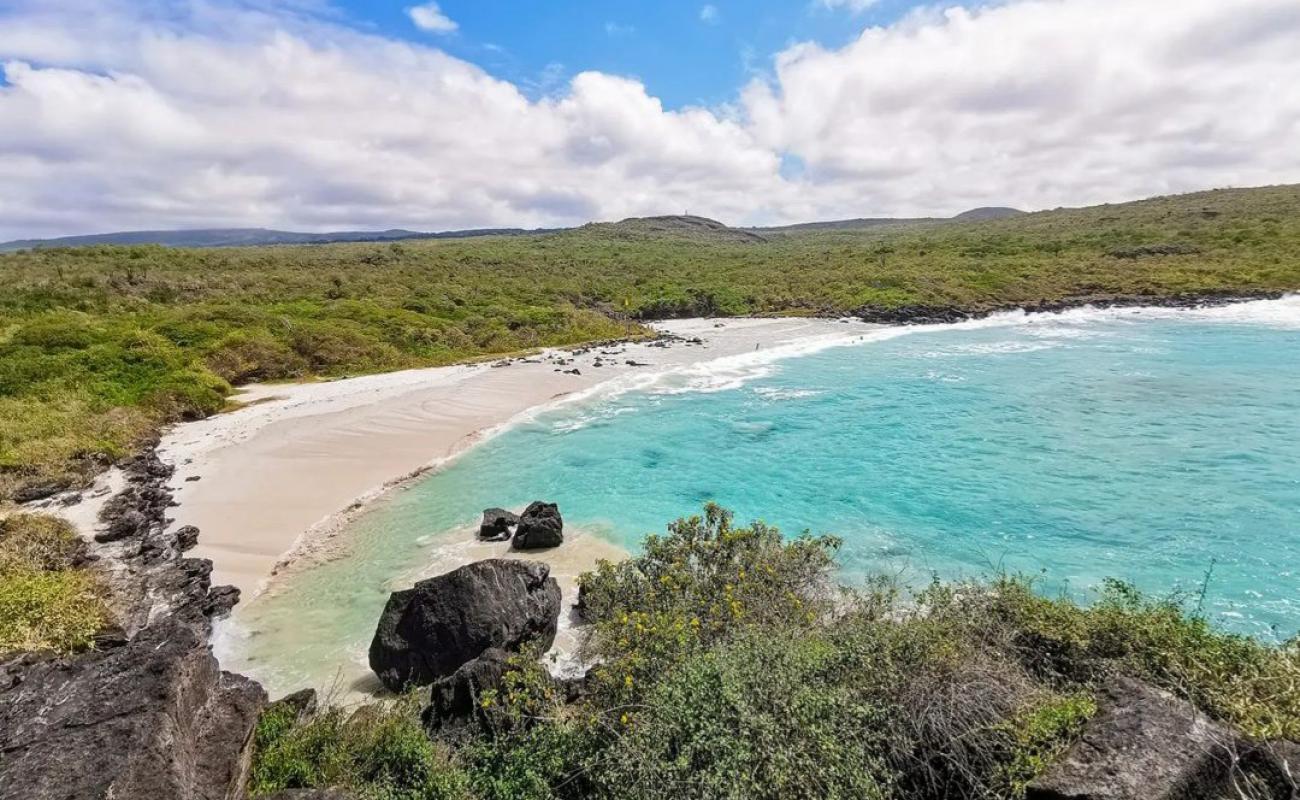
{"x":1145,"y":744}
{"x":155,"y":717}
{"x":498,"y":524}
{"x":459,"y":697}
{"x":540,"y":526}
{"x":149,"y":713}
{"x":429,"y":631}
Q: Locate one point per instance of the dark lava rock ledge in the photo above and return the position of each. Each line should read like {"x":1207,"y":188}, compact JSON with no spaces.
{"x":149,"y":713}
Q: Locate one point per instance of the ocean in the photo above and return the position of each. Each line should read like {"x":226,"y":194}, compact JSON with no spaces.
{"x":1159,"y":447}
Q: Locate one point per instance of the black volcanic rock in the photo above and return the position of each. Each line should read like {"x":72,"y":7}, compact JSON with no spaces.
{"x":458,"y":697}
{"x":429,"y":631}
{"x":131,"y":523}
{"x":1144,"y":744}
{"x":186,"y":538}
{"x":540,"y":526}
{"x":497,"y":524}
{"x":155,"y":717}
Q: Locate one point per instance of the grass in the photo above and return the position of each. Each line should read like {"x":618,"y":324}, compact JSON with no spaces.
{"x":47,"y":602}
{"x":727,"y":670}
{"x":379,"y":752}
{"x":99,"y":346}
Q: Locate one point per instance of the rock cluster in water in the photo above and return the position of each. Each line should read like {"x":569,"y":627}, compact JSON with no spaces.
{"x":539,"y":527}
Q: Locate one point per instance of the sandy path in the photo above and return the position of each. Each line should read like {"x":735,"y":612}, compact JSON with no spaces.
{"x":276,"y":475}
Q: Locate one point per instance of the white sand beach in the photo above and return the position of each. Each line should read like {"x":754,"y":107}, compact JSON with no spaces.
{"x":272,"y":480}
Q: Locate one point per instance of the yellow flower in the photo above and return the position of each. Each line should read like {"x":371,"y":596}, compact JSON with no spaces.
{"x":623,"y":719}
{"x":627,"y":681}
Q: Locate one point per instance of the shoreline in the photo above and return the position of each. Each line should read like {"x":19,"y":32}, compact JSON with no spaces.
{"x":271,"y":485}
{"x":224,"y":475}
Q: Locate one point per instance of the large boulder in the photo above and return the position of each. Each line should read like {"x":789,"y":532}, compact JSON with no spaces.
{"x":155,"y":717}
{"x":497,"y":525}
{"x":430,"y":630}
{"x":1143,"y":744}
{"x":540,"y":526}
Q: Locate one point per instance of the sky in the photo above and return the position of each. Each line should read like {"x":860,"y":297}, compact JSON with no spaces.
{"x":344,"y":114}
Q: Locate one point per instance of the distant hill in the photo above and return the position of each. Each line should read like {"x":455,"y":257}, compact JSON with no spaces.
{"x":974,"y":215}
{"x":672,"y":227}
{"x":987,"y":213}
{"x":682,"y":226}
{"x":248,"y":237}
{"x":847,"y":224}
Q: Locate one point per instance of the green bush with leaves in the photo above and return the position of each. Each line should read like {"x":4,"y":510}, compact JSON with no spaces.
{"x":47,"y":603}
{"x":729,"y":666}
{"x":379,"y":751}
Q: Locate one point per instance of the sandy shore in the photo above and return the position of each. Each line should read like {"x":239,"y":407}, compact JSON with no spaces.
{"x":270,"y":479}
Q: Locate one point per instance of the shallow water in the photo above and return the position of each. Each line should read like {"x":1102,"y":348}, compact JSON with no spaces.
{"x":1151,"y":446}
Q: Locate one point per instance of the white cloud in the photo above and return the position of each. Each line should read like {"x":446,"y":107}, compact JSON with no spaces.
{"x":429,"y":17}
{"x":619,"y":29}
{"x":709,"y":13}
{"x":118,"y":114}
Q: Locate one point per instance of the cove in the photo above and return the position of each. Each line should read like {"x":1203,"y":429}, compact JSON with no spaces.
{"x":1154,"y":446}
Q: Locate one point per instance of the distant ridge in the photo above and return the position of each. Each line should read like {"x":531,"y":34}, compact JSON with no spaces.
{"x":683,"y":226}
{"x":678,"y":226}
{"x":981,"y":214}
{"x":986,"y":213}
{"x":248,"y":237}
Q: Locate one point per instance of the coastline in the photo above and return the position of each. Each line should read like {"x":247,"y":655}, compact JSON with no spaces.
{"x":274,"y":481}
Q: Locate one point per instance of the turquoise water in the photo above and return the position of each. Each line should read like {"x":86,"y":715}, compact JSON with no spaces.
{"x":1154,"y":447}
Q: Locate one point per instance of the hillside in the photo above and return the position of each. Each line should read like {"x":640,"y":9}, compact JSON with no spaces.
{"x":100,"y":345}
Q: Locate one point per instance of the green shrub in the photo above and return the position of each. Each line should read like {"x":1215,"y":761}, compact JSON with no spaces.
{"x":1234,"y":677}
{"x":37,"y":543}
{"x":765,"y":716}
{"x":1037,"y":736}
{"x":45,"y":602}
{"x":702,"y":582}
{"x":40,"y":610}
{"x":245,"y":356}
{"x":380,"y":752}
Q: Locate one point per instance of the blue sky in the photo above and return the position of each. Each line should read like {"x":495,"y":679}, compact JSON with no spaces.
{"x":683,"y":54}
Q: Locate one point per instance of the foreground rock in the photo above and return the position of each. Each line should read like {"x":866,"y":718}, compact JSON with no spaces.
{"x":429,"y":631}
{"x":459,"y":696}
{"x":498,"y":524}
{"x":1145,"y":744}
{"x":155,"y":718}
{"x":540,"y":527}
{"x":149,"y":714}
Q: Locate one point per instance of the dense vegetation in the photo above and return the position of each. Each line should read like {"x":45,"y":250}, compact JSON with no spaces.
{"x":47,"y":601}
{"x":728,"y":668}
{"x":100,"y":345}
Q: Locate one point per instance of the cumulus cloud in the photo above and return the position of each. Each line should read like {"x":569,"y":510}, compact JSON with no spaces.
{"x":429,"y":17}
{"x":709,"y":13}
{"x":122,"y":114}
{"x":1045,"y":102}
